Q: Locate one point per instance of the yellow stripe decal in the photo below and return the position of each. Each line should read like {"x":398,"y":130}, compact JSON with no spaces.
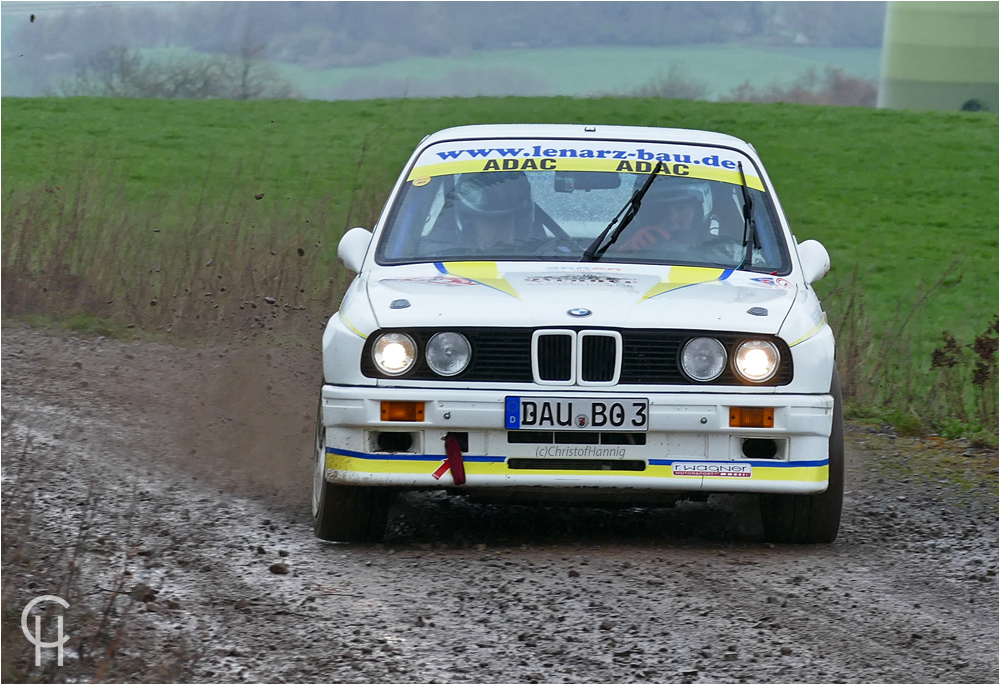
{"x":811,"y":332}
{"x":681,"y":276}
{"x":470,"y":166}
{"x":484,"y":273}
{"x":369,"y":464}
{"x":351,"y":327}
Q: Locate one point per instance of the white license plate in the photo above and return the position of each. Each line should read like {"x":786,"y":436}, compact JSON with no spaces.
{"x":576,"y":414}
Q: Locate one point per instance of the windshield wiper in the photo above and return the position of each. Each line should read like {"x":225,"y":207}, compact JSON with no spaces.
{"x":592,"y":253}
{"x":750,"y":237}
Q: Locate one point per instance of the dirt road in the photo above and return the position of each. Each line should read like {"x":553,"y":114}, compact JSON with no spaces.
{"x":180,"y":477}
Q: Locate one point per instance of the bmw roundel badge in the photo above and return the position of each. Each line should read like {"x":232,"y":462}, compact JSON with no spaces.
{"x":579,"y":312}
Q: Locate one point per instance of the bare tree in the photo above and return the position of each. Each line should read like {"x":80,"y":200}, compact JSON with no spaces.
{"x":252,"y":77}
{"x":121,"y":72}
{"x":674,"y":85}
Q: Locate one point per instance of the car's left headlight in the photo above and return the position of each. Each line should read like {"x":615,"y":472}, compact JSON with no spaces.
{"x":756,"y":360}
{"x":448,"y":354}
{"x":394,"y":353}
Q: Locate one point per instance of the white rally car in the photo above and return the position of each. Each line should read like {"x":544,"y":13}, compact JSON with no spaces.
{"x":600,"y":313}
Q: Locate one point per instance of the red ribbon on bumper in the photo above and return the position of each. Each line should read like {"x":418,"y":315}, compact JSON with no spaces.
{"x":453,"y":460}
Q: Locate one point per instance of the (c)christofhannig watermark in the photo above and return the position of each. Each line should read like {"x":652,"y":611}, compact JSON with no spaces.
{"x":36,"y":639}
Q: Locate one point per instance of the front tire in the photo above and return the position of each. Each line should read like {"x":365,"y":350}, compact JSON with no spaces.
{"x":345,"y":513}
{"x":811,"y":519}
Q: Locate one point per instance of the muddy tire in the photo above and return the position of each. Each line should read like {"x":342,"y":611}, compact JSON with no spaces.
{"x":810,"y":519}
{"x":345,"y":513}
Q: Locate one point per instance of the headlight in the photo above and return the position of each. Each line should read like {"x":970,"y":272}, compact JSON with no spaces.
{"x":448,"y":353}
{"x":394,"y":353}
{"x":756,"y":360}
{"x":703,"y":359}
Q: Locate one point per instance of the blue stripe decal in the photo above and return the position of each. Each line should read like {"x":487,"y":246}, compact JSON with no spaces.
{"x":440,"y":267}
{"x":726,"y":274}
{"x":776,"y":464}
{"x":410,"y":457}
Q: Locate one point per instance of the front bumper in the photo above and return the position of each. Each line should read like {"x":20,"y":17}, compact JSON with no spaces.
{"x":689,"y":445}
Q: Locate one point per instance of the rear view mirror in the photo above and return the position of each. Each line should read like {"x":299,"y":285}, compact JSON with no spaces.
{"x":815,"y":260}
{"x":569,"y":181}
{"x":353,"y":247}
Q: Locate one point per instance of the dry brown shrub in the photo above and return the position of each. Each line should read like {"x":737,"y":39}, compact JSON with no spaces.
{"x":228,"y":265}
{"x":833,"y":87}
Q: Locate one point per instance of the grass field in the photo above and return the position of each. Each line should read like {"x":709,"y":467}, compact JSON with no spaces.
{"x":897,"y":196}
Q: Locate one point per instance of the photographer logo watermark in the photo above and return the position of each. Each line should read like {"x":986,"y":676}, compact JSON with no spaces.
{"x":36,"y":639}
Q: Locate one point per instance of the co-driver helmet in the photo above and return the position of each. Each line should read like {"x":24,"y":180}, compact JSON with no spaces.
{"x":667,"y":190}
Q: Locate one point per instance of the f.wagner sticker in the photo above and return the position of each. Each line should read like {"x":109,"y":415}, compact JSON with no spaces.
{"x":712,"y":470}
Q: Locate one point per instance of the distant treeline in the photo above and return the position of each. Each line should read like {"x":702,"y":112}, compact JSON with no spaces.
{"x":321,"y":35}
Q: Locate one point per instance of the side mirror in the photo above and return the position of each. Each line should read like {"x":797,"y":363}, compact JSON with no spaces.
{"x":353,"y":247}
{"x":815,"y":260}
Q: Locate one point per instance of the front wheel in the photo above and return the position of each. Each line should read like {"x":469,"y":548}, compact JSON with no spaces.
{"x":810,"y":519}
{"x":345,"y":513}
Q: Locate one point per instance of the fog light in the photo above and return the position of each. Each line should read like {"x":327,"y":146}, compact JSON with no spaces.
{"x":448,"y":353}
{"x":703,"y":359}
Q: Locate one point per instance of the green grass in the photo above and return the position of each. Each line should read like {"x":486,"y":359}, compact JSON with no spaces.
{"x":143,"y":212}
{"x":901,"y":194}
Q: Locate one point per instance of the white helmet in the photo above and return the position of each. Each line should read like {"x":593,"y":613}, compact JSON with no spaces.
{"x":667,"y":190}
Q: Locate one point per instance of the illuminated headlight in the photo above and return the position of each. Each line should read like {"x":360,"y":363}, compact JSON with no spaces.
{"x":703,"y":359}
{"x":756,"y":360}
{"x":448,"y":353}
{"x":394,"y":353}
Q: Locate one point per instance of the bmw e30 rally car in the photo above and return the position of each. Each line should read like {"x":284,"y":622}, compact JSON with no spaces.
{"x":611,"y":313}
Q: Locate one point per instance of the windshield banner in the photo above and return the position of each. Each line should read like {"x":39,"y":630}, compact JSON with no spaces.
{"x":709,"y":163}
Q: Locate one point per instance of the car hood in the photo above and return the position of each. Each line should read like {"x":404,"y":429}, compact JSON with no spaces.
{"x":520,"y":294}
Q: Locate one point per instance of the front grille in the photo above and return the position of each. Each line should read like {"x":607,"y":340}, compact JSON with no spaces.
{"x":649,"y":356}
{"x":555,"y":357}
{"x":598,"y":358}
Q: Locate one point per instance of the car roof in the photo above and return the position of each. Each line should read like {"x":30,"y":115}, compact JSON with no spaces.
{"x":584,"y":132}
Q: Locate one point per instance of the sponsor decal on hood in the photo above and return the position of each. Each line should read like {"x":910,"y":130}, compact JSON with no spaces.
{"x":519,"y":294}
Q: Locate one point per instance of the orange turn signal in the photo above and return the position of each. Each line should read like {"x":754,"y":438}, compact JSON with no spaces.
{"x":402,"y":411}
{"x":751,"y":417}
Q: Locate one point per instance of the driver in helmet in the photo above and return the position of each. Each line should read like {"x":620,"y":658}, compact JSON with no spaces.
{"x":677,"y":211}
{"x":494,"y":210}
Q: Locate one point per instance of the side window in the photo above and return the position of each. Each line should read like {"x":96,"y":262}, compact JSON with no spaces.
{"x":437,"y":204}
{"x":727,"y":210}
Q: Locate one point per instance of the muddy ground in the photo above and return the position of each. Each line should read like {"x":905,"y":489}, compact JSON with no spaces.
{"x":156,"y":487}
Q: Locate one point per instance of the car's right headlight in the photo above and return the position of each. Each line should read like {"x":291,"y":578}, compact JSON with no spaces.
{"x":757,"y":360}
{"x":448,"y":354}
{"x":703,"y":359}
{"x":394,"y":353}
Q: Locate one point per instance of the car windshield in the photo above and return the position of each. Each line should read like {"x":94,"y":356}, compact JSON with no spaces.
{"x":548,"y":200}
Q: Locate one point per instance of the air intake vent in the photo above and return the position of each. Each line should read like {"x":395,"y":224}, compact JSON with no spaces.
{"x":577,"y":464}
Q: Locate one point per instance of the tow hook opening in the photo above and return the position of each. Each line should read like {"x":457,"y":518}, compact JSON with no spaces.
{"x":393,"y":442}
{"x":760,"y":448}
